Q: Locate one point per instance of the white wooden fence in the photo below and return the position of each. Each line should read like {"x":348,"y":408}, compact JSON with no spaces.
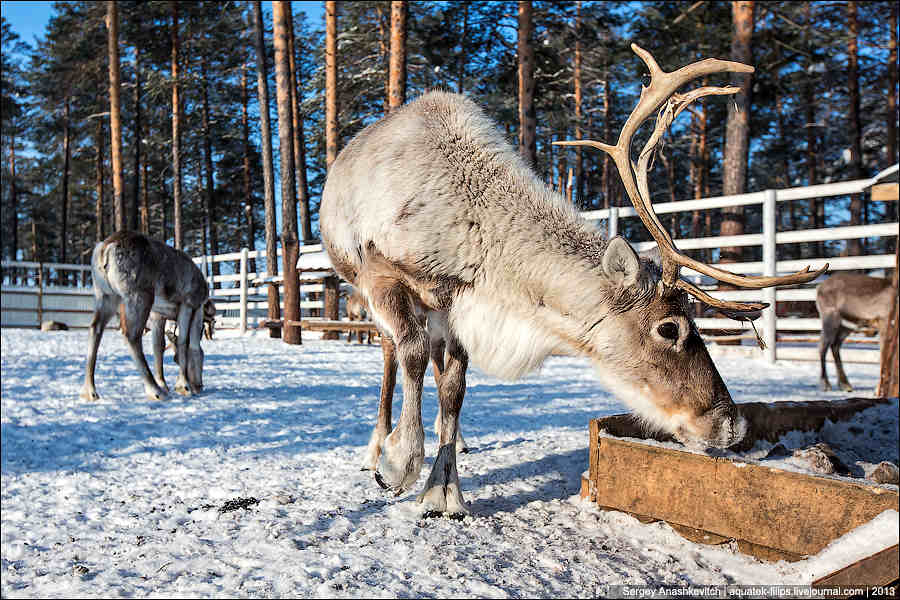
{"x":240,"y":293}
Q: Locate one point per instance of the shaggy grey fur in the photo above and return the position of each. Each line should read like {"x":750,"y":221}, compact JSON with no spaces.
{"x":140,"y":276}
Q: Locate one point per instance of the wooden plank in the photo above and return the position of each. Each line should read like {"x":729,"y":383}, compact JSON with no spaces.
{"x":326,"y":325}
{"x":885,"y":192}
{"x":879,"y":569}
{"x":791,"y":512}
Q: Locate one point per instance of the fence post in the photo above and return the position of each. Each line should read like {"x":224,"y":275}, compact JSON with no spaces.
{"x":40,"y":297}
{"x":770,"y":317}
{"x":203,"y":267}
{"x":244,"y":274}
{"x":613,"y":222}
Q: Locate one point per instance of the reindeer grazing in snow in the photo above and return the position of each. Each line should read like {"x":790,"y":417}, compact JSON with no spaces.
{"x":142,"y":278}
{"x":847,"y":302}
{"x":448,"y":234}
{"x":357,"y":311}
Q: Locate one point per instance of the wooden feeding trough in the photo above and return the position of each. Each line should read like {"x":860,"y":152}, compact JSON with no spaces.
{"x":770,"y":513}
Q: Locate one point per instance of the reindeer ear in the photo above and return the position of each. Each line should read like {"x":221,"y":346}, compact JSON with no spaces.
{"x":620,"y":262}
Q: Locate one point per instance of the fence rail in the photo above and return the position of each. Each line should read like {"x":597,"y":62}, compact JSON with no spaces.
{"x":241,"y":294}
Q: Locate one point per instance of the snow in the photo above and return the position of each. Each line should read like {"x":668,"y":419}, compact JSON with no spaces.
{"x":124,"y":497}
{"x":314,"y":261}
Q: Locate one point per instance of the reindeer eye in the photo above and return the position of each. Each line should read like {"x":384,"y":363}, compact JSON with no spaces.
{"x":668,"y":331}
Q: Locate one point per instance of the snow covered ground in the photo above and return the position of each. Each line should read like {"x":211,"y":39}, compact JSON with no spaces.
{"x":124,"y":497}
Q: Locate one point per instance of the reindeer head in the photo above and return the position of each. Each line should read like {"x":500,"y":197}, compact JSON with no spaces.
{"x":662,"y":366}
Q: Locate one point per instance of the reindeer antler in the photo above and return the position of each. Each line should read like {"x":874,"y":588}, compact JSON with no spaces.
{"x":661,"y":97}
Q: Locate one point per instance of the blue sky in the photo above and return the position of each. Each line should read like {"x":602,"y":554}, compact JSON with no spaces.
{"x":29,"y":18}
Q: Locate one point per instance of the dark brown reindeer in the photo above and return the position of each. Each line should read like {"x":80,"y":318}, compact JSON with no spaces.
{"x":141,"y":277}
{"x":449,"y":234}
{"x":848,"y":302}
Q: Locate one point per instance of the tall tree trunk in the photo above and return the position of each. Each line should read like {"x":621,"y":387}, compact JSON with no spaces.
{"x":384,"y":48}
{"x":527,"y":119}
{"x":136,"y":183}
{"x":299,"y":141}
{"x":461,"y":61}
{"x":816,"y":207}
{"x":892,"y":91}
{"x":699,"y":166}
{"x":399,"y":10}
{"x":576,"y":77}
{"x":889,"y":380}
{"x":331,"y":127}
{"x":211,"y":208}
{"x":289,"y":242}
{"x":854,"y":246}
{"x":115,"y":113}
{"x":262,"y":87}
{"x":245,"y":171}
{"x":737,"y":133}
{"x":135,"y":198}
{"x":98,"y":205}
{"x":204,"y":229}
{"x":13,"y":202}
{"x":606,"y":180}
{"x":176,"y":134}
{"x":145,"y":198}
{"x":67,"y":160}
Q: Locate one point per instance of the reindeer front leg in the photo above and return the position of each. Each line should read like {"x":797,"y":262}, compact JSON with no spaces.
{"x":442,"y":493}
{"x":195,"y":351}
{"x":437,"y":331}
{"x":157,"y":324}
{"x":184,"y":332}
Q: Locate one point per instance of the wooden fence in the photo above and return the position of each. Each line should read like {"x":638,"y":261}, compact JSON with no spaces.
{"x":239,"y":289}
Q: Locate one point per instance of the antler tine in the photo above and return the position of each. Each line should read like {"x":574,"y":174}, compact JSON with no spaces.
{"x":693,"y":290}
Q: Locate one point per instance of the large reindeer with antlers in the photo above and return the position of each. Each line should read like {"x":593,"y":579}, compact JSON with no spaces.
{"x":448,"y":233}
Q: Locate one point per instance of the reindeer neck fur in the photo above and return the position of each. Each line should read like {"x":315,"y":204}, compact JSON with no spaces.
{"x":436,"y":191}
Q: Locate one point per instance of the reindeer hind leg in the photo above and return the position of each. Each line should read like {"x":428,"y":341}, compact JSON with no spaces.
{"x":383,"y":421}
{"x":843,"y":382}
{"x":830,"y":325}
{"x":136,"y":311}
{"x":104,"y":309}
{"x":404,"y":449}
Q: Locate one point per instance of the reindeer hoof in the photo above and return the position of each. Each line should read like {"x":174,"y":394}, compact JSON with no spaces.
{"x":846,"y":387}
{"x":825,"y":386}
{"x":89,"y":395}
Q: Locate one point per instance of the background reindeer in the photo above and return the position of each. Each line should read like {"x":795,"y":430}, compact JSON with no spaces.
{"x":357,"y":310}
{"x":436,"y":220}
{"x":137,"y":275}
{"x":848,"y":302}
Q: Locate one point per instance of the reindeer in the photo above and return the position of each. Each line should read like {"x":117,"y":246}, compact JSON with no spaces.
{"x":848,"y":302}
{"x":357,"y":311}
{"x":437,"y":220}
{"x":143,"y":277}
